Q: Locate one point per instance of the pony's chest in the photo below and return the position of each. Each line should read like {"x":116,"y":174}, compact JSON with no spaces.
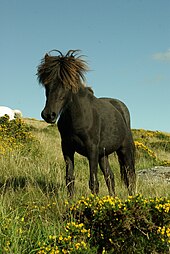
{"x":78,"y":145}
{"x":71,"y":138}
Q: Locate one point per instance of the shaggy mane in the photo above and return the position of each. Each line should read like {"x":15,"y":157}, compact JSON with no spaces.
{"x":67,"y":70}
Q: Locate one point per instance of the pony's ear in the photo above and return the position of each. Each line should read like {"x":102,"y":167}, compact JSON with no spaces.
{"x":46,"y":57}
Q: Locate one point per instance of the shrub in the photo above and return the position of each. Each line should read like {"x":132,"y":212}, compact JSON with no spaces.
{"x":14,"y":135}
{"x":136,"y":225}
{"x":149,"y":144}
{"x":148,"y":153}
{"x":73,"y":240}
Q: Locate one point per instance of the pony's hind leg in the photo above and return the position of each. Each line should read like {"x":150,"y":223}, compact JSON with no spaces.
{"x":127,"y":167}
{"x":108,"y":174}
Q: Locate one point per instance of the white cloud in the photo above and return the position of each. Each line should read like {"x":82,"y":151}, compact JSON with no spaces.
{"x":162,"y":56}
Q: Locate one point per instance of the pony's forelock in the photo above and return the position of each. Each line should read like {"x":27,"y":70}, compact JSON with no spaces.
{"x":67,"y":70}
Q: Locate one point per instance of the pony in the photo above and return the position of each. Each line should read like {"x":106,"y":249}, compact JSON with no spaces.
{"x":10,"y":112}
{"x":93,"y":127}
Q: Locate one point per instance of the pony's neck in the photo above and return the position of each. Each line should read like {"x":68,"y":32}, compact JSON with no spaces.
{"x":75,"y":100}
{"x":84,"y":96}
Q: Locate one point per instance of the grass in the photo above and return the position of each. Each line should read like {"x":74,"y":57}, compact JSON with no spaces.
{"x":33,"y":194}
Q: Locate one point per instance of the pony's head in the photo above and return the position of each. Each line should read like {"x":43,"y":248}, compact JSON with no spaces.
{"x":61,"y":76}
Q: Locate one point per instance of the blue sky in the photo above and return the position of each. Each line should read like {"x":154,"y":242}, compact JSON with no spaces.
{"x":126,"y":43}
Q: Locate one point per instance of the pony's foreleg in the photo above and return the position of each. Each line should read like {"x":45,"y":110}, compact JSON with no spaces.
{"x":69,"y":160}
{"x":93,"y":164}
{"x":108,"y":174}
{"x":70,"y":175}
{"x":127,"y":167}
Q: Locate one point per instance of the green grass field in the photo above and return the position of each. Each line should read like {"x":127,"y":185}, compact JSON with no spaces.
{"x":33,"y":197}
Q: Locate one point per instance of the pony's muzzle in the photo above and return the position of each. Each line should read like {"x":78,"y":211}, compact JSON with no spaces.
{"x":49,"y":117}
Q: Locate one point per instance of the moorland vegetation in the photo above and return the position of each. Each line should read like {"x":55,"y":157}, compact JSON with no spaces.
{"x":37,"y":217}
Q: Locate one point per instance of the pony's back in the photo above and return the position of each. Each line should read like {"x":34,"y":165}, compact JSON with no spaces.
{"x":121,"y":107}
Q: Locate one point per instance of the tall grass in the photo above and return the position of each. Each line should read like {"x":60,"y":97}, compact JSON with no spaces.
{"x":32,"y":183}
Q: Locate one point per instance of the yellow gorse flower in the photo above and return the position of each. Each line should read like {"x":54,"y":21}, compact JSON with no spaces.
{"x":140,"y":145}
{"x":13,"y":135}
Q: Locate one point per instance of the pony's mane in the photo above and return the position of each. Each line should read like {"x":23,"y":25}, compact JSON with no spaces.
{"x":67,"y":70}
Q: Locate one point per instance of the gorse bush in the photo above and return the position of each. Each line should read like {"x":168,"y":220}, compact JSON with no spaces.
{"x":13,"y":134}
{"x":136,"y":225}
{"x":149,"y":143}
{"x":74,"y":239}
{"x":145,"y":151}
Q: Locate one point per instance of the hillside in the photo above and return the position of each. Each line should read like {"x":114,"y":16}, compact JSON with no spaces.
{"x":37,"y":216}
{"x":151,"y":144}
{"x":152,"y":147}
{"x":152,"y":151}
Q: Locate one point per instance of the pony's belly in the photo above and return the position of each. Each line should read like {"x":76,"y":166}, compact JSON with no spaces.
{"x":111,"y":142}
{"x":106,"y":150}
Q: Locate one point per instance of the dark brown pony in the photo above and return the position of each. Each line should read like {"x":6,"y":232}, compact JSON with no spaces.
{"x":93,"y":127}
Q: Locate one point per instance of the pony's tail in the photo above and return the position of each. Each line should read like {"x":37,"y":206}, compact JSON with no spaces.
{"x":127,"y":169}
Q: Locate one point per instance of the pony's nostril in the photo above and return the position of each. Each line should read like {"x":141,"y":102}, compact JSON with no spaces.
{"x":53,"y":115}
{"x":48,"y":117}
